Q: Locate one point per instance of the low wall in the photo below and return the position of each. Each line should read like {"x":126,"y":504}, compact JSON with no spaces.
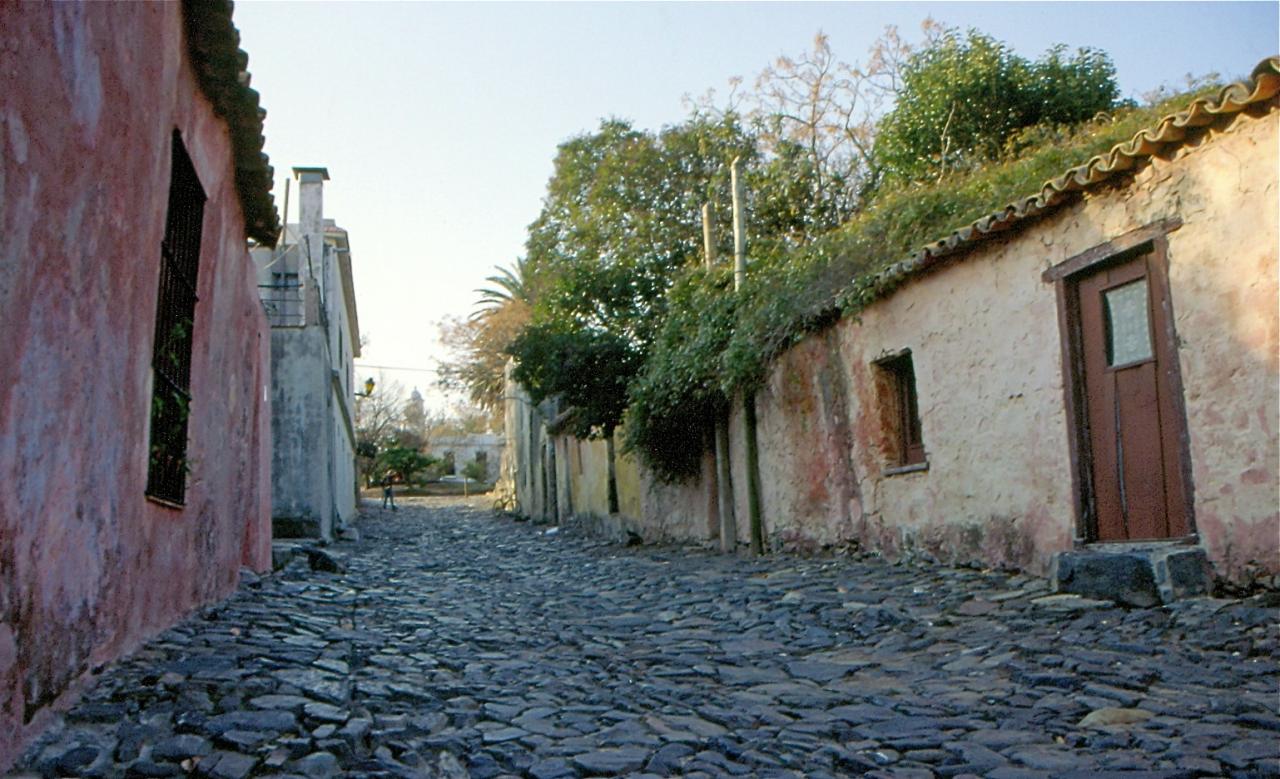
{"x":983,"y":335}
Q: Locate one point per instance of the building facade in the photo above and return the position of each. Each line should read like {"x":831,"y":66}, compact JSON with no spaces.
{"x":309,"y":295}
{"x":1091,"y":369}
{"x":460,"y":450}
{"x":134,"y":431}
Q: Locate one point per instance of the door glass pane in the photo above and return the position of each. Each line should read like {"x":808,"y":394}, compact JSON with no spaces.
{"x":1128,"y":331}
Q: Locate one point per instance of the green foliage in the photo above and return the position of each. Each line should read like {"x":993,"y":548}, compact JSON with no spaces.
{"x":403,"y":461}
{"x":711,"y":345}
{"x":680,"y":386}
{"x":621,"y":216}
{"x":621,"y":220}
{"x":625,"y":318}
{"x":964,"y":96}
{"x":474,"y":470}
{"x":588,"y":369}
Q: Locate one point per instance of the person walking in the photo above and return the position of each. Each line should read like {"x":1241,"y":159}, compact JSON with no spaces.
{"x":388,"y":496}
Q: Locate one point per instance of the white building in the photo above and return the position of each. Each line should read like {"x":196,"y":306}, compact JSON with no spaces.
{"x":306,"y":287}
{"x":460,"y":450}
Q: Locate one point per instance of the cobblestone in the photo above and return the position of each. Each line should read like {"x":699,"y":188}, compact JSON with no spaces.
{"x":452,"y":642}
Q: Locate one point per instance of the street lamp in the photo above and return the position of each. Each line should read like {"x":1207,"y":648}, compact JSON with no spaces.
{"x":368,"y":388}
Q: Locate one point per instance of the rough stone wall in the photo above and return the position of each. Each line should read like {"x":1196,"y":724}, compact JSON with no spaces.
{"x":986,"y":349}
{"x":678,"y":512}
{"x":646,"y":507}
{"x":588,"y":476}
{"x":88,"y":566}
{"x":984,"y":344}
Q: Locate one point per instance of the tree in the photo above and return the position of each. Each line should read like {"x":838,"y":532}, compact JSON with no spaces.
{"x":478,"y":345}
{"x":378,"y":414}
{"x":963,"y":96}
{"x":508,"y":287}
{"x":815,"y":117}
{"x":810,"y":104}
{"x":386,"y":422}
{"x":621,"y":217}
{"x":478,"y":352}
{"x":403,"y":462}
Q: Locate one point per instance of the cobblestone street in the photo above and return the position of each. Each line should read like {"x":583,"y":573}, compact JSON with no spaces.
{"x":460,"y":643}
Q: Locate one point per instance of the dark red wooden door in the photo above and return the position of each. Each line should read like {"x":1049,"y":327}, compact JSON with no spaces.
{"x":1133,"y":423}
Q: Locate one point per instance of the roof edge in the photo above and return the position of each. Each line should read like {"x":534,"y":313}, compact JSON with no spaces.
{"x":1169,"y":134}
{"x":221,"y":68}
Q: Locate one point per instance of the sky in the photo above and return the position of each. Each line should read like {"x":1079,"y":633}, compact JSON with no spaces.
{"x":438,"y":122}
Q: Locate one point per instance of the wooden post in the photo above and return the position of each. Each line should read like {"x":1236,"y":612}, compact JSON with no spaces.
{"x":749,"y":401}
{"x":722,"y":477}
{"x":613,"y":473}
{"x":724,"y":480}
{"x":708,"y":243}
{"x":753,"y":475}
{"x":739,"y":227}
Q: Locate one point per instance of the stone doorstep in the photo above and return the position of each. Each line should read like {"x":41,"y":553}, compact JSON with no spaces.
{"x":1141,"y":575}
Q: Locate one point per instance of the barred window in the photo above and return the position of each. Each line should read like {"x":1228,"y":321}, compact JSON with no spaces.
{"x":175,"y":321}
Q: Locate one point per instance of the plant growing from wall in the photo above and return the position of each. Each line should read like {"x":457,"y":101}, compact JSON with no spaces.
{"x":710,"y":347}
{"x":963,"y":96}
{"x":627,"y":323}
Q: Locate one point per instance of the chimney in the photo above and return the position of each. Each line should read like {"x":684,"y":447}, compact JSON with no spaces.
{"x":311,"y":215}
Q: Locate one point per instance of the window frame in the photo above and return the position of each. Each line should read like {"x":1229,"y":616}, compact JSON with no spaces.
{"x":904,"y":427}
{"x":173,"y":338}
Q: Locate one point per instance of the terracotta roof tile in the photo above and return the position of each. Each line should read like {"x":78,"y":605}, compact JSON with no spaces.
{"x":221,"y":69}
{"x":1263,"y":85}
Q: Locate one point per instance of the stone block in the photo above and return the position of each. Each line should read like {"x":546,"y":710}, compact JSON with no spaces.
{"x":1119,"y":576}
{"x":1182,"y":572}
{"x":283,"y":553}
{"x":1139,"y":575}
{"x":324,"y":560}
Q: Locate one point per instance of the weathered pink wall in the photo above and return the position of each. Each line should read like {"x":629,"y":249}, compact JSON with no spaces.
{"x":88,"y":566}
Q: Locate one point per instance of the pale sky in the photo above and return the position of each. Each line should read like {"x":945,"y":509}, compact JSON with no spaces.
{"x":438,"y":122}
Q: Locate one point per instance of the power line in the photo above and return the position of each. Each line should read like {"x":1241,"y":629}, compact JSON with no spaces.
{"x":398,"y":368}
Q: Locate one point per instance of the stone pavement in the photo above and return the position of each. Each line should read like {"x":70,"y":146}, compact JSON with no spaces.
{"x":461,"y":643}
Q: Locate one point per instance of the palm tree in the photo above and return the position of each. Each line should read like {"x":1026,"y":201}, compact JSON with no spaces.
{"x":508,"y":287}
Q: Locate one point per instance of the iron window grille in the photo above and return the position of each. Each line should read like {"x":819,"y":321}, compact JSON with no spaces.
{"x":282,"y":299}
{"x":175,"y":330}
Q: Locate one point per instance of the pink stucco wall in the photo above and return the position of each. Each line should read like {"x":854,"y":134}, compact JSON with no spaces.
{"x":88,"y":566}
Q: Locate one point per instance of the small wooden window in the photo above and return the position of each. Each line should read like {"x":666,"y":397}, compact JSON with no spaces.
{"x":175,"y":331}
{"x":904,"y":413}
